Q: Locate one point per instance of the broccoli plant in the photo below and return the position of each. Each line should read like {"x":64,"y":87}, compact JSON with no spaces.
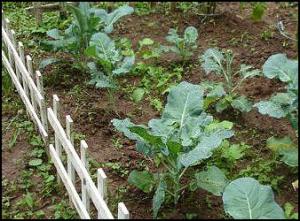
{"x":108,"y":61}
{"x":223,"y":95}
{"x":183,"y":46}
{"x":243,"y":198}
{"x":183,"y":137}
{"x":282,"y":104}
{"x":75,"y":39}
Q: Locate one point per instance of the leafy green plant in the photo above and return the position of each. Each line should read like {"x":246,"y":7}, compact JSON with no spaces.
{"x":262,"y":170}
{"x":258,"y":10}
{"x":282,"y":104}
{"x":228,"y":155}
{"x":143,"y":8}
{"x":288,"y":211}
{"x":149,"y":49}
{"x":181,"y":138}
{"x":76,"y":38}
{"x":109,"y":62}
{"x":183,"y":46}
{"x":243,"y":198}
{"x":155,"y":82}
{"x":223,"y":95}
{"x":285,"y":148}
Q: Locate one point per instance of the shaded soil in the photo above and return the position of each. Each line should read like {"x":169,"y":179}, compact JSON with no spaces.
{"x":231,"y":30}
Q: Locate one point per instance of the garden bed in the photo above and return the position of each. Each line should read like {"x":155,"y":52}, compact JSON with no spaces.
{"x":232,"y":29}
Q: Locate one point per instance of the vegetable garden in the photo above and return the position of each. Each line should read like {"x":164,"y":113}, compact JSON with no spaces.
{"x":189,"y":108}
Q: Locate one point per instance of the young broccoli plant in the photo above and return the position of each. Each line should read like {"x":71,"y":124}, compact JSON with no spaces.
{"x":183,"y":46}
{"x":108,"y":64}
{"x":183,"y":137}
{"x":223,"y":95}
{"x":282,"y":104}
{"x":109,"y":61}
{"x":86,"y":22}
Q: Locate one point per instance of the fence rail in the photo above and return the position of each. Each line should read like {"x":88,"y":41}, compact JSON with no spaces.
{"x":33,"y":96}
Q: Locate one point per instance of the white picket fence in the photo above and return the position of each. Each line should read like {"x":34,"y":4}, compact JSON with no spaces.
{"x":33,"y":96}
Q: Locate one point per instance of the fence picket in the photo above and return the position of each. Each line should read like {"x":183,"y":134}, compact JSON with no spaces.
{"x":122,"y":211}
{"x":43,"y":109}
{"x":83,"y":156}
{"x":69,"y":130}
{"x":56,"y":109}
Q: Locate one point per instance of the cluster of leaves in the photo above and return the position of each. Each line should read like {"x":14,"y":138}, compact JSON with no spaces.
{"x":155,"y":79}
{"x":87,"y":35}
{"x":282,"y":104}
{"x":184,"y":136}
{"x":183,"y":46}
{"x":109,"y":62}
{"x":224,"y":96}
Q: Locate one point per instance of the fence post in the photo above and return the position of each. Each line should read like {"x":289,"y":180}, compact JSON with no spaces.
{"x":123,"y":213}
{"x":10,"y":55}
{"x":84,"y":191}
{"x":3,"y":21}
{"x":43,"y":109}
{"x":102,"y":186}
{"x":69,"y":130}
{"x":37,"y":12}
{"x":57,"y":142}
{"x":22,"y":56}
{"x":12,"y":34}
{"x":30,"y":70}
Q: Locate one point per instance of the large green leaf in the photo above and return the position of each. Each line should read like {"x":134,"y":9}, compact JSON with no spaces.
{"x":277,"y":144}
{"x":281,"y":67}
{"x":185,"y":100}
{"x":143,"y":180}
{"x":81,"y":16}
{"x":205,"y":147}
{"x":285,"y":147}
{"x":111,"y":18}
{"x":242,"y":104}
{"x":213,"y":180}
{"x":159,"y":197}
{"x":149,"y":138}
{"x":212,"y":61}
{"x":290,"y":157}
{"x":270,"y":108}
{"x":245,"y":198}
{"x":105,"y":47}
{"x":123,"y":126}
